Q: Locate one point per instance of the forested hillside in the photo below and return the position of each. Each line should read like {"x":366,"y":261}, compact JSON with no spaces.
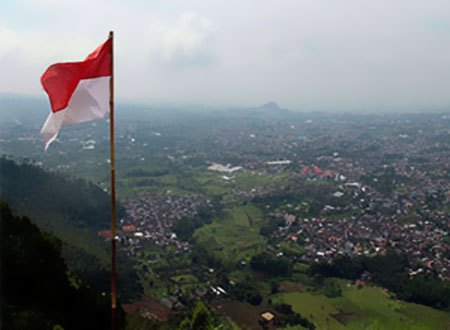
{"x":36,"y":292}
{"x":72,"y":210}
{"x":52,"y":199}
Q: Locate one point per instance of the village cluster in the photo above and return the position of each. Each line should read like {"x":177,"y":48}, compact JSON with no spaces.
{"x":151,"y":218}
{"x":389,"y":178}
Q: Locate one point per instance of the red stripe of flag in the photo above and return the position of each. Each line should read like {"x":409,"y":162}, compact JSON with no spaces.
{"x":60,"y":80}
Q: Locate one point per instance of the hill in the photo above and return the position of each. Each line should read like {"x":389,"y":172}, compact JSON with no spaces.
{"x":73,"y":210}
{"x":36,"y":292}
{"x":53,"y":199}
{"x":271,"y":107}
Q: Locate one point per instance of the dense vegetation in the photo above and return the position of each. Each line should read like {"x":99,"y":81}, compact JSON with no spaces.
{"x":200,"y":319}
{"x":247,"y":291}
{"x":186,"y":228}
{"x":37,"y":293}
{"x":72,"y":210}
{"x":53,"y":198}
{"x":271,"y":265}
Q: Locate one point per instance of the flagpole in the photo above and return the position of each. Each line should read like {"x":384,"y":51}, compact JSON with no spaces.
{"x":113,"y":192}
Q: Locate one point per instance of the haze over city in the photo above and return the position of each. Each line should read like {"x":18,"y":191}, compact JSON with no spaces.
{"x":305,"y":55}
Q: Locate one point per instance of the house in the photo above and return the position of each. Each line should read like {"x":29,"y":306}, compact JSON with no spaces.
{"x":129,"y":228}
{"x":360,"y":283}
{"x":268,"y":316}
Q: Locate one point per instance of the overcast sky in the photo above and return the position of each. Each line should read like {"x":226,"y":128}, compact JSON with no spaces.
{"x":351,"y":55}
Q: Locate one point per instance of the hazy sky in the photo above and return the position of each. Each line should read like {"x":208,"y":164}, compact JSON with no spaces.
{"x":303,"y":54}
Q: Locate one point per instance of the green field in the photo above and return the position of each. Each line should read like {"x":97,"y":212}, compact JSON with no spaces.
{"x":235,"y":236}
{"x":253,"y":179}
{"x":147,"y":179}
{"x":366,"y":308}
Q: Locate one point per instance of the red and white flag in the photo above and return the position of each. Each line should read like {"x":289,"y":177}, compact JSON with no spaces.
{"x":78,"y":91}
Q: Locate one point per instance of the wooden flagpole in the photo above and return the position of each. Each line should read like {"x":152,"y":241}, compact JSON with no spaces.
{"x":113,"y":192}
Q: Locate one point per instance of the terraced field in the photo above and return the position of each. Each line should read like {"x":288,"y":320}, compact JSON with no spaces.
{"x":235,"y":236}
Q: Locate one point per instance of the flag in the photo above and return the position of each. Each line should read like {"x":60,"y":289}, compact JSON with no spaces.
{"x":78,"y":91}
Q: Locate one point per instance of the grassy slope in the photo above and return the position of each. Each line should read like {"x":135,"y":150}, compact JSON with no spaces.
{"x":367,"y":308}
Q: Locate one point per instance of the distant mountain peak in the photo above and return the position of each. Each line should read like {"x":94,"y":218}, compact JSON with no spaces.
{"x":270,"y":106}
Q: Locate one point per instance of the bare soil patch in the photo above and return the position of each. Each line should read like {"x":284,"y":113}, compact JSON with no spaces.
{"x":149,"y":308}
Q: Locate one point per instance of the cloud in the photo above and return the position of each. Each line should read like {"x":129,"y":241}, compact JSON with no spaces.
{"x":8,"y":40}
{"x":346,"y":54}
{"x":40,"y":48}
{"x":24,"y":55}
{"x":188,"y":42}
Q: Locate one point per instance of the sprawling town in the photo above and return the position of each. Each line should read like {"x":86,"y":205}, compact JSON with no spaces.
{"x":387,"y":193}
{"x":235,"y":207}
